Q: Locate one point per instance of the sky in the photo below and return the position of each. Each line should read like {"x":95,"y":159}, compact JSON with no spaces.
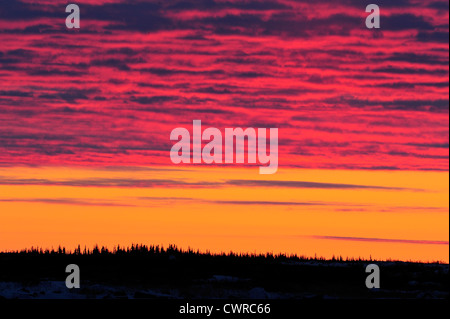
{"x":362,"y":115}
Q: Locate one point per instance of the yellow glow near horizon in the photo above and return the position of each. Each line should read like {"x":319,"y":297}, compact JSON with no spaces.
{"x":196,"y":208}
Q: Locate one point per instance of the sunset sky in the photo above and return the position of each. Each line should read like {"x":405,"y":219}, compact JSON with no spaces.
{"x":362,"y":115}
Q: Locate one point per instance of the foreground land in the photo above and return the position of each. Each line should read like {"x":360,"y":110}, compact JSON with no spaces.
{"x":154,"y":272}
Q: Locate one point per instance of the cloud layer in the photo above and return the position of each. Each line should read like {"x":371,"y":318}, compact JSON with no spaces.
{"x":342,"y":96}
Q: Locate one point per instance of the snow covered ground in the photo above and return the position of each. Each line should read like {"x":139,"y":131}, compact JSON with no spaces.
{"x":49,"y":289}
{"x":58,"y":290}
